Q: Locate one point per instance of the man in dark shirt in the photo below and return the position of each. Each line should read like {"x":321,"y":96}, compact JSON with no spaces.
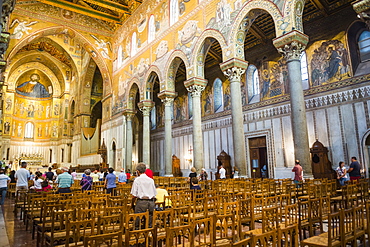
{"x":354,"y":169}
{"x":50,"y":175}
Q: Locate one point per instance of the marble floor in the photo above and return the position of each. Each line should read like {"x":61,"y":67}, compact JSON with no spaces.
{"x":12,"y":230}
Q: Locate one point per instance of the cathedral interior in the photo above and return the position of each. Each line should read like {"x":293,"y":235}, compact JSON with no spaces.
{"x":252,"y":85}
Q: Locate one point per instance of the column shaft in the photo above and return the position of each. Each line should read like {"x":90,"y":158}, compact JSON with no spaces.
{"x":168,"y":136}
{"x":197,"y":132}
{"x":129,"y":143}
{"x":298,"y":116}
{"x":238,"y":128}
{"x":145,"y":107}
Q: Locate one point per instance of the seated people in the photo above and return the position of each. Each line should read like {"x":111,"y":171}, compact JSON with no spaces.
{"x":161,"y":193}
{"x":194,"y":184}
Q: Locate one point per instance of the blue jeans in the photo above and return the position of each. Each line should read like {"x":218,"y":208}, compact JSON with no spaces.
{"x":3,"y":194}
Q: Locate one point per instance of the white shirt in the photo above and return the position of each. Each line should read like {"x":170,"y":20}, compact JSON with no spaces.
{"x":22,"y":176}
{"x":37,"y":183}
{"x":4,"y":181}
{"x":222,"y":172}
{"x":143,"y":186}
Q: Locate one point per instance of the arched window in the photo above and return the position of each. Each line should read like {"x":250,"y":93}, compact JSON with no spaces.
{"x":304,"y":71}
{"x":364,"y":45}
{"x":174,"y":11}
{"x":133,"y":44}
{"x":153,"y":118}
{"x":28,"y":133}
{"x":253,"y":84}
{"x":151,"y":29}
{"x":217,"y":94}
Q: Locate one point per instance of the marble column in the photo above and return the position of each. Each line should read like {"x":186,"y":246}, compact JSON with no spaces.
{"x":362,"y":8}
{"x":196,"y":86}
{"x":234,"y":69}
{"x":291,"y":46}
{"x":145,"y":107}
{"x":167,"y":99}
{"x":129,"y":115}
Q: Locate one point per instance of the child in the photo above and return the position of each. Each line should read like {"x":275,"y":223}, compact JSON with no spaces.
{"x":46,"y":186}
{"x":194,"y":184}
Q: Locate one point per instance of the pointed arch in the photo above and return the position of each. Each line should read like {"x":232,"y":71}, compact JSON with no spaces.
{"x":171,"y":67}
{"x":201,"y":49}
{"x":134,"y":89}
{"x":248,"y":12}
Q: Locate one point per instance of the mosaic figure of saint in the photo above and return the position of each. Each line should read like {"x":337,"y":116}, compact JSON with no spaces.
{"x":33,"y":88}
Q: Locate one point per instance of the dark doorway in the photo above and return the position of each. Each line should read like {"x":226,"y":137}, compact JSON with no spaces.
{"x":258,"y":157}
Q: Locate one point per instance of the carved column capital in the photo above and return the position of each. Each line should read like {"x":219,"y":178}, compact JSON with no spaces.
{"x":362,"y":8}
{"x":291,"y":45}
{"x":195,"y":86}
{"x":129,"y":114}
{"x":167,"y":97}
{"x":234,"y":68}
{"x":145,"y":106}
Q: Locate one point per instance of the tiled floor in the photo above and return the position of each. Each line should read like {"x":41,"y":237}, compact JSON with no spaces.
{"x":12,"y":230}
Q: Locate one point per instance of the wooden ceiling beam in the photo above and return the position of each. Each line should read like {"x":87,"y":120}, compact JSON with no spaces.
{"x":258,"y":33}
{"x":120,"y":8}
{"x":321,"y":6}
{"x":81,"y":10}
{"x":215,"y":55}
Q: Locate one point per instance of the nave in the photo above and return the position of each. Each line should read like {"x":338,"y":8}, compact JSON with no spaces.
{"x":231,"y":212}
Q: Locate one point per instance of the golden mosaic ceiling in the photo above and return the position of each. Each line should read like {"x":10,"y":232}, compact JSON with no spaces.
{"x":111,"y":11}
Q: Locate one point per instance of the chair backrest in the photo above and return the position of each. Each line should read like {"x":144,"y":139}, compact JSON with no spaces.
{"x":108,"y":240}
{"x":226,"y":227}
{"x":335,"y":226}
{"x":143,"y":237}
{"x":76,"y":231}
{"x":265,"y":239}
{"x":136,"y":221}
{"x":180,"y":236}
{"x":270,"y":219}
{"x":181,"y":216}
{"x":203,"y":232}
{"x":162,"y":220}
{"x":291,"y":215}
{"x":111,"y":223}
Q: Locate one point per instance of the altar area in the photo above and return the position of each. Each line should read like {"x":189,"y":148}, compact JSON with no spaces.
{"x":34,"y":162}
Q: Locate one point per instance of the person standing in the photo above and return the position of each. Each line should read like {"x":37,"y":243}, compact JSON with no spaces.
{"x":297,"y":169}
{"x":222,"y":172}
{"x":64,"y":181}
{"x":143,"y":192}
{"x":203,"y":175}
{"x":95,"y":176}
{"x":122,"y":177}
{"x":22,"y":176}
{"x":87,"y":181}
{"x":74,"y":174}
{"x":4,"y":182}
{"x":354,"y":170}
{"x":342,"y":173}
{"x":110,"y":181}
{"x":50,"y":174}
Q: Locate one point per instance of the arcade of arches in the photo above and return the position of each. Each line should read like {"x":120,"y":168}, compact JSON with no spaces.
{"x":120,"y":82}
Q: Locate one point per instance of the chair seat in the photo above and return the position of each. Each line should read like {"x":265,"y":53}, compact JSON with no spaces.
{"x":319,"y":241}
{"x":254,"y":232}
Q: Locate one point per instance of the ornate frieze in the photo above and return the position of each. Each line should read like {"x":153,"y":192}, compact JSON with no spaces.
{"x":362,"y":8}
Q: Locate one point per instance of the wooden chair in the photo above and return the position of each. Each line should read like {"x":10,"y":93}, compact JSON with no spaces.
{"x":58,"y":226}
{"x":180,"y":236}
{"x":20,"y":202}
{"x":136,"y":221}
{"x":359,"y":227}
{"x":161,"y":221}
{"x":11,"y":190}
{"x":203,"y":232}
{"x":226,"y":229}
{"x":245,"y":211}
{"x":270,"y":222}
{"x":111,"y":223}
{"x":181,"y":216}
{"x":143,"y":238}
{"x":46,"y":220}
{"x":330,"y":239}
{"x":265,"y":239}
{"x":242,"y":243}
{"x":76,"y":231}
{"x":113,"y":239}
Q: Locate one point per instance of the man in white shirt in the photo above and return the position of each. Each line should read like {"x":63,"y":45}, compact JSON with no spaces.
{"x":4,"y":181}
{"x":222,"y":172}
{"x":143,"y":191}
{"x":22,"y":176}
